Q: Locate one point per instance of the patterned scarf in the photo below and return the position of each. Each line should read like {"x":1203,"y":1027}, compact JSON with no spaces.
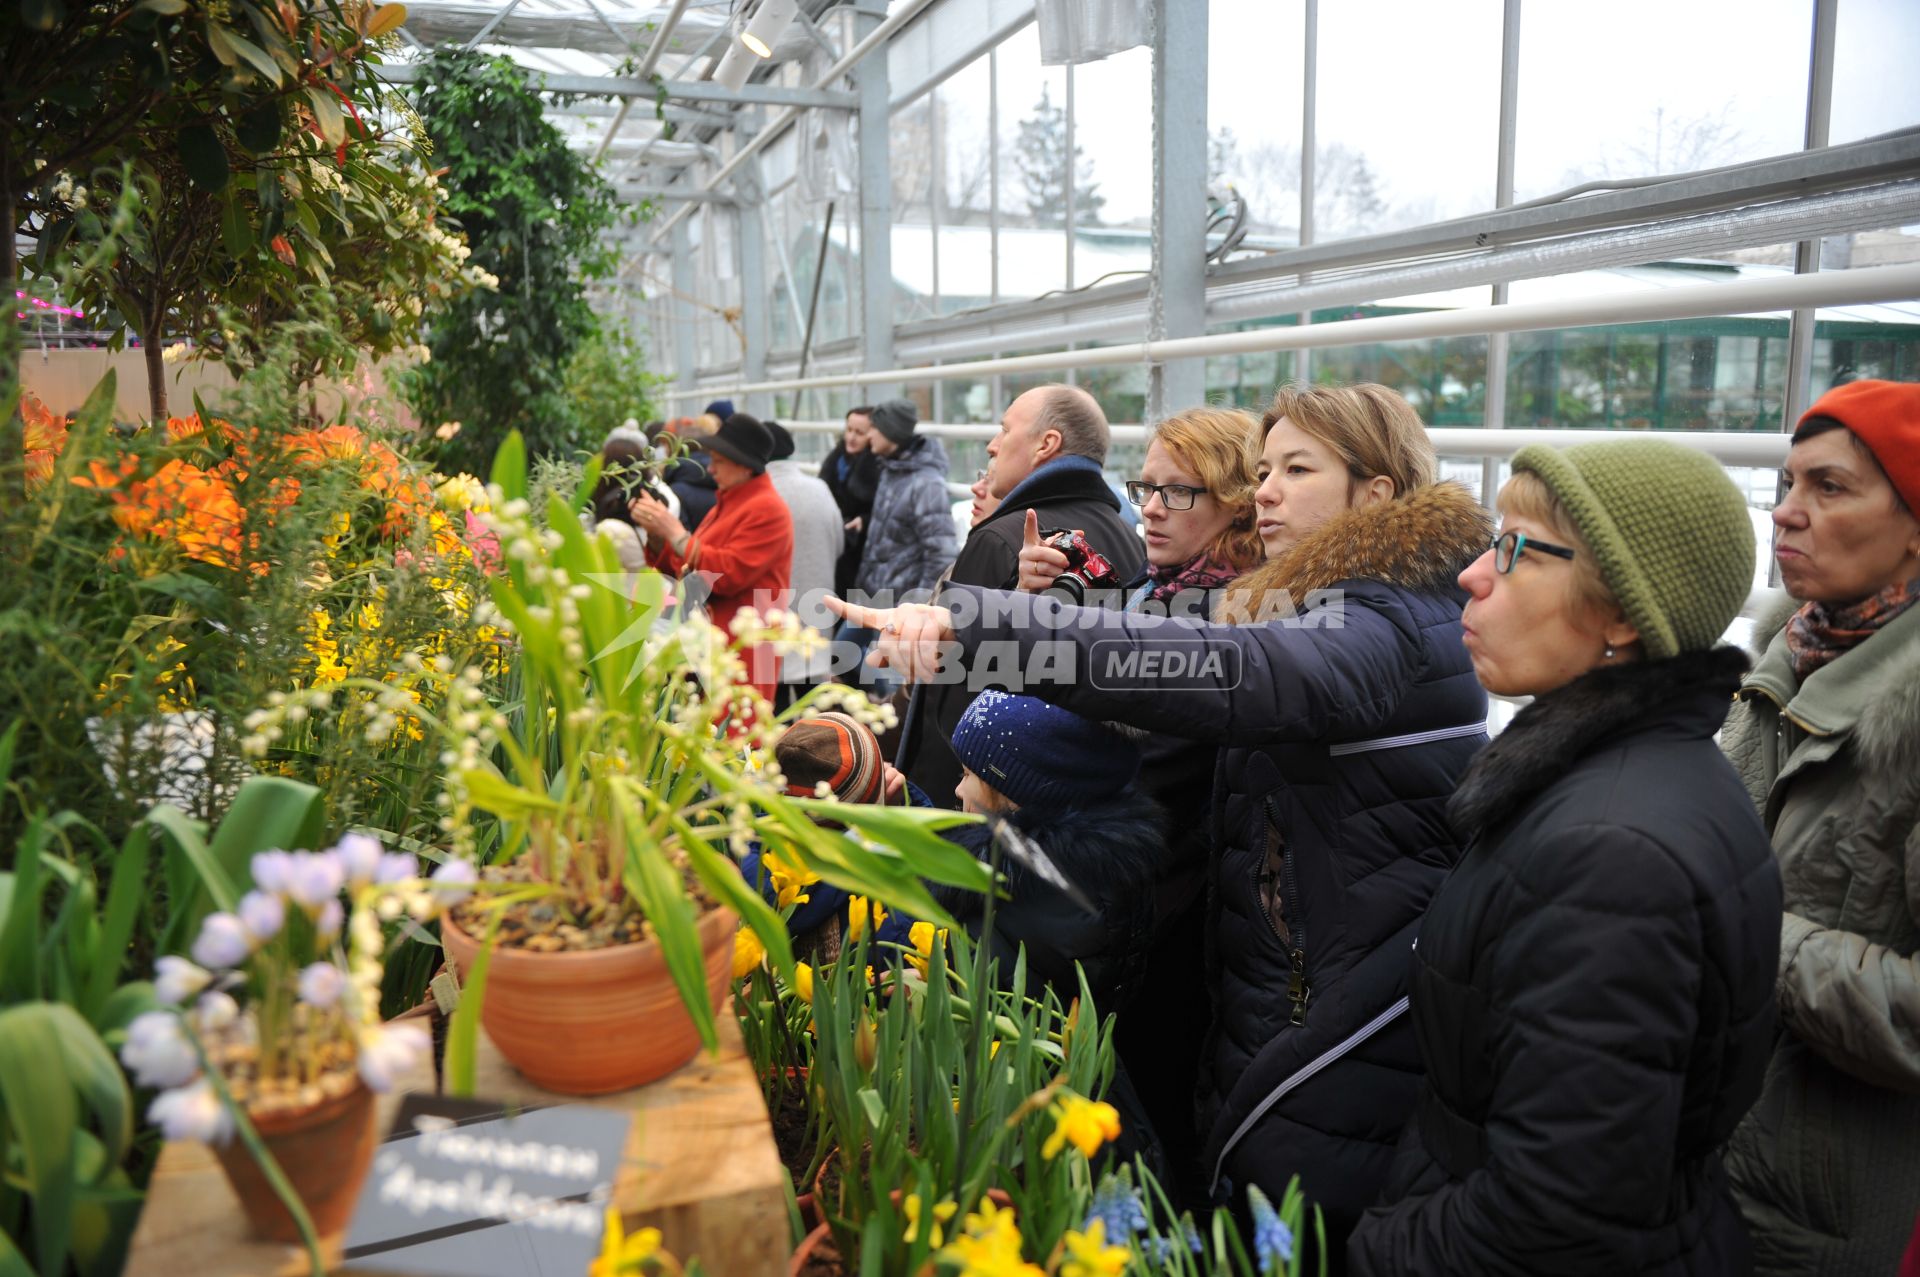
{"x":1820,"y":633}
{"x":1202,"y":572}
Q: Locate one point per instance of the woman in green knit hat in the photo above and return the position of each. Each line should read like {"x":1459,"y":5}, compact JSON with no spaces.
{"x":1592,"y":990}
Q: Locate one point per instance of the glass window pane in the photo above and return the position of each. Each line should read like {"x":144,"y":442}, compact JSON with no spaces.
{"x":1424,"y":152}
{"x":1253,"y":111}
{"x":1874,"y":87}
{"x":1033,"y":103}
{"x":1656,"y":87}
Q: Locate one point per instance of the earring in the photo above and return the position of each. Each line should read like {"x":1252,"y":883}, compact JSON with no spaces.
{"x":1609,"y":653}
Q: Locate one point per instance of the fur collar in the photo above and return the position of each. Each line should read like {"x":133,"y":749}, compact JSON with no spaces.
{"x":1889,"y":732}
{"x":1548,"y":737}
{"x":1420,"y":542}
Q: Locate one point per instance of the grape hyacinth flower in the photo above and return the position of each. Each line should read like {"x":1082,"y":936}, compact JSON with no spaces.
{"x":157,"y":1052}
{"x":1272,"y":1239}
{"x":1117,"y":1203}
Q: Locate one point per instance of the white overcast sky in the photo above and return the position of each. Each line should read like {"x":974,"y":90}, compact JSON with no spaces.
{"x":1414,"y":84}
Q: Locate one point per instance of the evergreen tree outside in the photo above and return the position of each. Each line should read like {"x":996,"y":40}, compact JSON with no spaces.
{"x":1040,"y":157}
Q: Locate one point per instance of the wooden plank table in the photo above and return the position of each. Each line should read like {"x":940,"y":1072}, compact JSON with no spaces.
{"x":700,"y":1166}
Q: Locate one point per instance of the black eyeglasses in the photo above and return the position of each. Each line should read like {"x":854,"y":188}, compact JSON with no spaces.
{"x":1507,"y":547}
{"x":1175,"y":496}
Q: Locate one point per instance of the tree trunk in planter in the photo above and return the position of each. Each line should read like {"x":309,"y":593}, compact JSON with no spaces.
{"x":156,"y":371}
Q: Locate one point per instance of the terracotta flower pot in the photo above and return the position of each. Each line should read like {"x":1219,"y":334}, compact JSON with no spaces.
{"x":597,"y":1020}
{"x":324,"y":1152}
{"x":819,"y":1243}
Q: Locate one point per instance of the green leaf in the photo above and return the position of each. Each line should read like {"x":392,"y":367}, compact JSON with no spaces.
{"x":204,"y":157}
{"x":42,"y":15}
{"x":724,"y":880}
{"x":510,"y":466}
{"x":50,"y":1060}
{"x":676,"y":927}
{"x":232,"y":48}
{"x":20,"y":927}
{"x":126,"y":896}
{"x":269,"y":812}
{"x":326,"y":113}
{"x":464,"y":1027}
{"x":258,"y":130}
{"x":165,"y":8}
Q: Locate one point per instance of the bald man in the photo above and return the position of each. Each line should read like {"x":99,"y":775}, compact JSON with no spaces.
{"x":1047,"y":458}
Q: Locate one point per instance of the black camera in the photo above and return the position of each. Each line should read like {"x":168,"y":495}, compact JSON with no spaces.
{"x":1087,"y":568}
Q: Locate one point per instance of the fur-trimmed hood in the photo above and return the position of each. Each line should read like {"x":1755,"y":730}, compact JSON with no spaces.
{"x":1421,"y":541}
{"x":1546,"y":739}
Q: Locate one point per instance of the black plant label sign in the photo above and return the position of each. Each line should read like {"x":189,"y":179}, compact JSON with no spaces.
{"x":473,"y":1188}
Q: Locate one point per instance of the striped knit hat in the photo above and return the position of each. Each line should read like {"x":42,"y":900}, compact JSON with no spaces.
{"x":835,"y":748}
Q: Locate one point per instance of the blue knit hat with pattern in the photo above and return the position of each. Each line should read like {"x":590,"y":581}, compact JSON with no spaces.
{"x":1040,"y":755}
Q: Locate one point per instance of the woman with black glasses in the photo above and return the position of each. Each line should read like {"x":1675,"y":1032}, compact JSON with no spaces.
{"x":1592,"y":993}
{"x":1335,"y":685}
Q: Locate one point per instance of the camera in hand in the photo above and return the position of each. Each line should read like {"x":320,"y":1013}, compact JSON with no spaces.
{"x":1087,"y":568}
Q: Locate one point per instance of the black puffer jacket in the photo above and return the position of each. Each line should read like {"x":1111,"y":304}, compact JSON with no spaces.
{"x":1345,"y":729}
{"x":1592,"y":994}
{"x":1068,"y":493}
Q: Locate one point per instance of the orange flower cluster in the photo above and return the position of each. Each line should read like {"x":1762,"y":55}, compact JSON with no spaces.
{"x":46,"y":435}
{"x":409,"y":497}
{"x":197,"y":509}
{"x":180,"y":503}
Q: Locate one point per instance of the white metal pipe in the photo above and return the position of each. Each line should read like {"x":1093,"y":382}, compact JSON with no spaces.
{"x":1741,"y":297}
{"x":1758,"y":449}
{"x":902,"y":15}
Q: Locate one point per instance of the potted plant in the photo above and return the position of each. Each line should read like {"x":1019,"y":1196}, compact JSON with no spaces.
{"x":271,"y":1030}
{"x":965,"y":1114}
{"x":607,"y":801}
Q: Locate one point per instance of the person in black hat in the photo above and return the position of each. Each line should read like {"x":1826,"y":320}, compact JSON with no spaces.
{"x":745,"y":546}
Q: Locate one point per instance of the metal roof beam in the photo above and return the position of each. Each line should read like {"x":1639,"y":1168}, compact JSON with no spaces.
{"x":612,"y":86}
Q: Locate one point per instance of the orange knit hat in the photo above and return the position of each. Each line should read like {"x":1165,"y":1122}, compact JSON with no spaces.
{"x":1884,"y":415}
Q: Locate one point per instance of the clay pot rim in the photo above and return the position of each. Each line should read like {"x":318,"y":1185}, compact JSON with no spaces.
{"x":282,"y":1118}
{"x":626,"y":948}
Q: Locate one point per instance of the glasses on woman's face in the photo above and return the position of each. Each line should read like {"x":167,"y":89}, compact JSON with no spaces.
{"x":1175,"y":496}
{"x":1507,"y":548}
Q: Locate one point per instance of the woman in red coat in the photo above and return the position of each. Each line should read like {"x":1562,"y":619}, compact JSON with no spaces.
{"x":743,"y":548}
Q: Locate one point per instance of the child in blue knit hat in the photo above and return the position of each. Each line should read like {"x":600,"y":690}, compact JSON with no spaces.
{"x":1067,"y":784}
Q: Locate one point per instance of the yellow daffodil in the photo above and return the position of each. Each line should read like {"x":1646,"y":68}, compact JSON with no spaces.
{"x":621,"y":1253}
{"x":990,"y":1246}
{"x":861,"y":912}
{"x":1087,"y":1123}
{"x":1088,"y":1254}
{"x":942,"y":1212}
{"x":923,"y":936}
{"x":748,"y":953}
{"x":803,"y":982}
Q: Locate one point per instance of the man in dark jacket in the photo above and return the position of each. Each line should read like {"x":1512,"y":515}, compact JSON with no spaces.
{"x":1048,"y":458}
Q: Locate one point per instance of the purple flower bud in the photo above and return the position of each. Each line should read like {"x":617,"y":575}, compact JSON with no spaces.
{"x":175,"y":980}
{"x":329,"y":920}
{"x":271,"y":870}
{"x":262,"y":915}
{"x":359,"y":857}
{"x":397,"y":866}
{"x":453,"y":881}
{"x":321,"y":984}
{"x":157,"y":1051}
{"x":315,"y":878}
{"x":223,"y":942}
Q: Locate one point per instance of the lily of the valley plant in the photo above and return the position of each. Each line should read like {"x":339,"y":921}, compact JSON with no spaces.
{"x":635,"y":762}
{"x":282,"y":992}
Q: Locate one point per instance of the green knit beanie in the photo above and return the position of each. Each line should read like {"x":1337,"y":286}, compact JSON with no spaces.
{"x":1669,"y":530}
